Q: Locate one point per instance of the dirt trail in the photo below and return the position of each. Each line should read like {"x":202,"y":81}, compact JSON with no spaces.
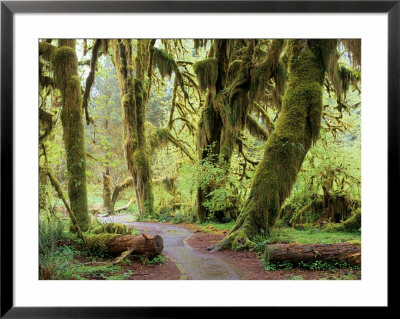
{"x":192,"y":264}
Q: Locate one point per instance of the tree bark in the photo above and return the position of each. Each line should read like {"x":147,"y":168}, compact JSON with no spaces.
{"x":349,"y":253}
{"x":117,"y":244}
{"x":297,"y":127}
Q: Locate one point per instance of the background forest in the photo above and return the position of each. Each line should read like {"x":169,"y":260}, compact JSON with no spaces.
{"x":188,"y":131}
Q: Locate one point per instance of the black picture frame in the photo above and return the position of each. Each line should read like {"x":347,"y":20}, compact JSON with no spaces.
{"x":9,"y":8}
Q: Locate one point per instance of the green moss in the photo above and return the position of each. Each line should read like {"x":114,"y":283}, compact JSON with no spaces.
{"x":159,"y":137}
{"x":73,"y":136}
{"x":346,"y":76}
{"x":353,"y":223}
{"x":207,"y":73}
{"x":141,"y":158}
{"x":266,"y":70}
{"x":256,"y":129}
{"x":233,"y":69}
{"x":309,"y":213}
{"x":46,"y":50}
{"x":112,"y":228}
{"x":165,"y":63}
{"x":100,"y":242}
{"x":65,"y":65}
{"x":67,"y":42}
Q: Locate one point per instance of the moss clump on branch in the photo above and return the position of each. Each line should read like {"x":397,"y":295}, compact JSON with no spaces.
{"x":346,"y":76}
{"x":165,"y":63}
{"x":46,"y":50}
{"x":65,"y":65}
{"x":159,"y":137}
{"x":207,"y":73}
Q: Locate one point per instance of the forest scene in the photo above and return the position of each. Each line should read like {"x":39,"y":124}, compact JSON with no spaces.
{"x":199,"y":159}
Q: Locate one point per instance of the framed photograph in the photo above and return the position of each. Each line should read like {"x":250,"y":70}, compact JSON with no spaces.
{"x":196,"y":154}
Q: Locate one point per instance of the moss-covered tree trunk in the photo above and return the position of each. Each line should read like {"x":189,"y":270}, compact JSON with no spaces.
{"x":210,"y":127}
{"x":107,"y":204}
{"x":133,"y":112}
{"x":297,"y":127}
{"x":65,"y":66}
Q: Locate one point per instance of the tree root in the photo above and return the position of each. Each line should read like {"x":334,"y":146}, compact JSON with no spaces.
{"x":240,"y":237}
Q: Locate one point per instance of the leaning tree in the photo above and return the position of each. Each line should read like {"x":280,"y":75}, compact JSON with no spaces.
{"x":309,"y":62}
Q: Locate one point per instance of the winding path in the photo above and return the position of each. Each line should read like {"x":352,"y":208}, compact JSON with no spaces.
{"x":191,"y":263}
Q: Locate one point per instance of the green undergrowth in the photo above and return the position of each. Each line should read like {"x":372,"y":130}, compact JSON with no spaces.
{"x":153,"y":260}
{"x":286,"y":235}
{"x":315,"y":265}
{"x":212,"y":226}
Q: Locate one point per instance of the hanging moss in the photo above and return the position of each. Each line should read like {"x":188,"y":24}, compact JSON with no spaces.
{"x":65,"y":65}
{"x":207,"y":73}
{"x":165,"y":63}
{"x":256,"y":129}
{"x":330,"y":56}
{"x":266,"y":70}
{"x":159,"y":137}
{"x":346,"y":77}
{"x":199,"y":43}
{"x":233,"y":69}
{"x":354,"y":47}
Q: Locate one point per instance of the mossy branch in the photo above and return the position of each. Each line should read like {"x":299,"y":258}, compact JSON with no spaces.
{"x":240,"y":145}
{"x":90,"y":79}
{"x":46,"y":121}
{"x":266,"y":70}
{"x":256,"y":129}
{"x":207,"y":73}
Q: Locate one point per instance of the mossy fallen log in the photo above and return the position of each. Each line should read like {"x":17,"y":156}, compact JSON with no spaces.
{"x":112,"y":228}
{"x":116,"y":244}
{"x":295,"y":253}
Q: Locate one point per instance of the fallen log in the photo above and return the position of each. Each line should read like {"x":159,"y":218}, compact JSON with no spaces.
{"x":116,"y":244}
{"x":123,"y":207}
{"x":295,"y":253}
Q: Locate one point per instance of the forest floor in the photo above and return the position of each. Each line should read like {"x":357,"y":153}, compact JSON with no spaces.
{"x":187,"y":256}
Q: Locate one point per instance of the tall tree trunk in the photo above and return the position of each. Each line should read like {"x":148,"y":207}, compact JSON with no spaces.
{"x":297,"y":127}
{"x":210,"y":127}
{"x":65,"y":66}
{"x":133,"y":112}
